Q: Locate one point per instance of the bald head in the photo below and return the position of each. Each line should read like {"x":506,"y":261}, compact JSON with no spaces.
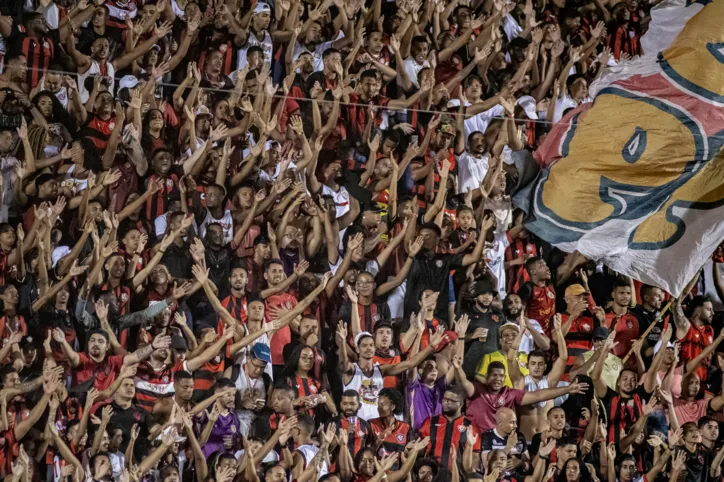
{"x":505,"y":421}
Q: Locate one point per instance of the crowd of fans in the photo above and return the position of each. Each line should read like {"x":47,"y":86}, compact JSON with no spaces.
{"x":276,"y":241}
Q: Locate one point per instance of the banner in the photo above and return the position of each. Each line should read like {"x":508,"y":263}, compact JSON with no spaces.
{"x":636,"y":178}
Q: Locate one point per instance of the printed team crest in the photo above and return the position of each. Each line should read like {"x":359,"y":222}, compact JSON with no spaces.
{"x":438,"y":263}
{"x":400,"y":437}
{"x":456,"y":60}
{"x":313,"y":389}
{"x":169,"y":183}
{"x":376,"y":317}
{"x":223,"y":48}
{"x":586,"y":327}
{"x":461,"y":428}
{"x":550,"y":295}
{"x":164,"y":379}
{"x":112,"y":125}
{"x":360,"y":434}
{"x":629,"y":324}
{"x":233,"y":429}
{"x":124,"y":297}
{"x":495,"y":318}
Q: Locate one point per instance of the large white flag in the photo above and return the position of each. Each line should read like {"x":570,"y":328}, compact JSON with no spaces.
{"x":636,"y":179}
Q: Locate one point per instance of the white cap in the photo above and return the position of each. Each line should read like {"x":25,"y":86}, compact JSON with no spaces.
{"x":261,"y":7}
{"x":657,"y":347}
{"x":360,"y":335}
{"x":528,"y":104}
{"x":127,"y":81}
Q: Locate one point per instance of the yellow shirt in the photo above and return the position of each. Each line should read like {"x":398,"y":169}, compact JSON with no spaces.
{"x":499,"y":357}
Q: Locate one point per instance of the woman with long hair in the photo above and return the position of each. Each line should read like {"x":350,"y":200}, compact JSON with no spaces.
{"x":298,"y":373}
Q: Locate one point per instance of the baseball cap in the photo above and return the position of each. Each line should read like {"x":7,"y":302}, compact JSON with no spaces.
{"x":508,"y":326}
{"x":179,"y":343}
{"x":575,"y":290}
{"x":446,"y":128}
{"x":261,"y":7}
{"x":657,"y":346}
{"x":372,"y":206}
{"x":600,"y":333}
{"x":202,"y":110}
{"x":261,"y":239}
{"x":450,"y":337}
{"x":156,"y":47}
{"x":528,"y":104}
{"x":383,"y":324}
{"x":360,"y":336}
{"x":27,"y":341}
{"x":42,"y":179}
{"x":128,"y":82}
{"x":261,"y":352}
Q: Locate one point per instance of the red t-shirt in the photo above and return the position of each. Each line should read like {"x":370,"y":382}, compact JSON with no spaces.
{"x":103,"y":373}
{"x":284,"y":335}
{"x":483,"y":406}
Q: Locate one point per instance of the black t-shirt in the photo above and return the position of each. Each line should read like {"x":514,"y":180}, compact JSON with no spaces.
{"x":433,"y":273}
{"x":475,"y":349}
{"x":125,"y":419}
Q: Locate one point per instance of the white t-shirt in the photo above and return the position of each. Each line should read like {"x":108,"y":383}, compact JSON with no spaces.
{"x":341,"y":198}
{"x":527,"y":344}
{"x":495,"y":256}
{"x":478,"y":122}
{"x":413,"y":69}
{"x":299,"y":49}
{"x":471,"y":171}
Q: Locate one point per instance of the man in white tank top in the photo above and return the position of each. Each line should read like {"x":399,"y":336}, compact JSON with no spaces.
{"x":367,"y":378}
{"x":258,"y":35}
{"x":304,"y":455}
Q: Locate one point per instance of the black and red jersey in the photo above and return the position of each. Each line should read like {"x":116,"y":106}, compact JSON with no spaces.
{"x":446,"y":435}
{"x":540,"y":302}
{"x":396,"y":440}
{"x":360,"y":434}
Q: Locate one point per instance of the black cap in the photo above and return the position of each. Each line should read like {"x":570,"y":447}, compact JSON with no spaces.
{"x":383,"y":324}
{"x":261,"y":239}
{"x":483,"y":286}
{"x":433,"y":227}
{"x":27,"y":341}
{"x":600,"y":333}
{"x":42,"y":179}
{"x":372,"y":207}
{"x":179,"y":343}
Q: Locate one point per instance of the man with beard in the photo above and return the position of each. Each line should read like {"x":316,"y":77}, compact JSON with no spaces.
{"x":236,"y":303}
{"x":625,"y":405}
{"x":219,"y":257}
{"x":431,"y":269}
{"x":314,"y":43}
{"x":533,"y":336}
{"x":155,"y":376}
{"x":694,"y":331}
{"x":215,"y":212}
{"x":482,"y":335}
{"x":385,"y":352}
{"x":485,"y":399}
{"x":95,"y":366}
{"x":359,"y":431}
{"x":331,"y":177}
{"x":277,"y":296}
{"x":451,"y":430}
{"x":620,"y":320}
{"x":538,"y":294}
{"x":579,"y":321}
{"x":646,"y":312}
{"x":42,"y":44}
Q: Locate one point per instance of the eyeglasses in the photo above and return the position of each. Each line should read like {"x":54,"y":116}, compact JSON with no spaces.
{"x":258,"y":366}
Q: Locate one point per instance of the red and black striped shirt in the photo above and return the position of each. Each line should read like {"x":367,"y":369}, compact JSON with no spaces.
{"x":359,"y":430}
{"x":236,"y":307}
{"x":445,"y":435}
